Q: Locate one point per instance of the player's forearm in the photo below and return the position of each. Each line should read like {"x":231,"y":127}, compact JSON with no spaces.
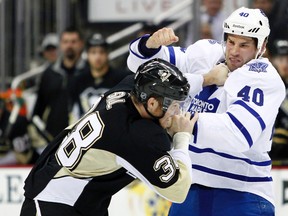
{"x":181,"y":141}
{"x":146,"y":51}
{"x":140,"y":53}
{"x":137,"y":56}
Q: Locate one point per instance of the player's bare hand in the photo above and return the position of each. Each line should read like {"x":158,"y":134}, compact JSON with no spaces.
{"x":182,"y":123}
{"x":164,"y":36}
{"x":216,"y":76}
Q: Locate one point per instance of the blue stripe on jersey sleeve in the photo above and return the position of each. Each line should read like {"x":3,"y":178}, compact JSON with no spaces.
{"x":241,"y":127}
{"x":146,"y":52}
{"x":172,"y":55}
{"x":232,"y":175}
{"x":195,"y":132}
{"x":253,"y":112}
{"x":225,"y":155}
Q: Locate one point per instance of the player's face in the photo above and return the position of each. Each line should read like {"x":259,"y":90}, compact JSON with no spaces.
{"x":71,"y":44}
{"x":97,"y":58}
{"x":239,"y":51}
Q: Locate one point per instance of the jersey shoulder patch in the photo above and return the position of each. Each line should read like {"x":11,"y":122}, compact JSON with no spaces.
{"x":258,"y":67}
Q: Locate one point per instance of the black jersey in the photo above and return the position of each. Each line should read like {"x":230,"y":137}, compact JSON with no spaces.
{"x":279,"y":150}
{"x":105,"y":151}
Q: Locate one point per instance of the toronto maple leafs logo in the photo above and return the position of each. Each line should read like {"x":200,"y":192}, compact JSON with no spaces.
{"x":205,"y":101}
{"x":258,"y":67}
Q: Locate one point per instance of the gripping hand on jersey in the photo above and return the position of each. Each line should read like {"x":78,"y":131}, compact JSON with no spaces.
{"x":164,"y":36}
{"x":216,"y":76}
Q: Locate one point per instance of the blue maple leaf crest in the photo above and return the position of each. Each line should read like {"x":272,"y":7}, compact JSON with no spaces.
{"x":258,"y":67}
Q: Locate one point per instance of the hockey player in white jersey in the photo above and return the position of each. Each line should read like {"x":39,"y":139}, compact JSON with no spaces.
{"x":230,"y":164}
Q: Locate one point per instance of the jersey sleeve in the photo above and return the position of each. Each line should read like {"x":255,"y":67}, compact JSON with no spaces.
{"x":166,"y":172}
{"x":253,"y":97}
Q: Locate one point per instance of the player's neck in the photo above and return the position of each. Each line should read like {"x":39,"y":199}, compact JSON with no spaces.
{"x":140,"y":108}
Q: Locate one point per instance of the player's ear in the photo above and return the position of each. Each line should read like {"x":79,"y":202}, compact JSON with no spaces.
{"x":152,"y":104}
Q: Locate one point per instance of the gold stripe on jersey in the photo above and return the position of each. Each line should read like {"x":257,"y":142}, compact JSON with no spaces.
{"x":95,"y":162}
{"x":175,"y":192}
{"x":278,"y":141}
{"x":281,"y":131}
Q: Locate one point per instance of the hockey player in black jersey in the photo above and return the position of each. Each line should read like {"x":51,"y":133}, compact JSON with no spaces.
{"x":118,"y":140}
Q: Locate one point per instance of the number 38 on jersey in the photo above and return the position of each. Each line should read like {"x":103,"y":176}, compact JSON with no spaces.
{"x":86,"y":133}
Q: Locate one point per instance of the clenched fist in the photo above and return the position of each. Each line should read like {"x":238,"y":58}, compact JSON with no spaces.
{"x":164,"y":36}
{"x":216,"y":76}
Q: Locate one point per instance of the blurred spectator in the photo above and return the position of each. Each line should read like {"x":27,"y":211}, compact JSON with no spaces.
{"x":205,"y":31}
{"x":48,"y":48}
{"x":211,"y":20}
{"x":100,"y":77}
{"x":15,"y":145}
{"x":265,"y":5}
{"x":279,"y":57}
{"x":277,"y":13}
{"x":54,"y":103}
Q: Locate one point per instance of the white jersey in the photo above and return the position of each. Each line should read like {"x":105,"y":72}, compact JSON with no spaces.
{"x":230,"y":147}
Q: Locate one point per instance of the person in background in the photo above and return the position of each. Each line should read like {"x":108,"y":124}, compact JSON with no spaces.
{"x":48,"y":51}
{"x":49,"y":47}
{"x":54,"y":101}
{"x":279,"y":151}
{"x":277,"y":13}
{"x":100,"y":77}
{"x":212,"y":16}
{"x":15,"y":143}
